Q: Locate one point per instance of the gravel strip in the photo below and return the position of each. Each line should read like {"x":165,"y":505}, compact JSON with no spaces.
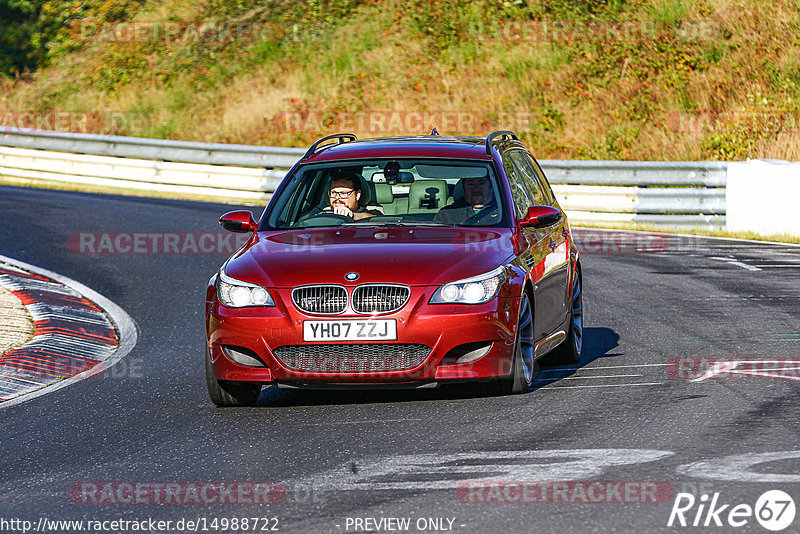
{"x":16,"y":326}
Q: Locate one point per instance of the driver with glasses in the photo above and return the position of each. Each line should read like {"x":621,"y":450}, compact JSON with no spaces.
{"x":344,"y":195}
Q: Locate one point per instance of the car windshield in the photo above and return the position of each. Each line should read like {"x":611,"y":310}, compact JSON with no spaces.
{"x":385,"y":192}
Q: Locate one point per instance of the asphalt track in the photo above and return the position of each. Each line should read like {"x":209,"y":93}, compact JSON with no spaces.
{"x":621,"y":416}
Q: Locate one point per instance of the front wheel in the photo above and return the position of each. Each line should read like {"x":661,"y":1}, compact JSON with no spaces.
{"x":226,"y":393}
{"x":524,"y":367}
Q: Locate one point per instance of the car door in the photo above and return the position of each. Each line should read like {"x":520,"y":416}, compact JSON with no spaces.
{"x":532,"y":252}
{"x":552,"y":250}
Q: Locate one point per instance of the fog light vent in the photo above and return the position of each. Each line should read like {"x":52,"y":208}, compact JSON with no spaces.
{"x":467,"y":353}
{"x":243,"y":356}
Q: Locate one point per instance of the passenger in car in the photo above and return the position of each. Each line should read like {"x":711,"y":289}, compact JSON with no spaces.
{"x":478,"y":207}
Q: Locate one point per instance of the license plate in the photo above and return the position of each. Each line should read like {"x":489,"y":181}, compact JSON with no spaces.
{"x":366,"y":329}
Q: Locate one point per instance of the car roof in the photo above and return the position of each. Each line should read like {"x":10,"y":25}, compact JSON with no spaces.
{"x":426,"y":146}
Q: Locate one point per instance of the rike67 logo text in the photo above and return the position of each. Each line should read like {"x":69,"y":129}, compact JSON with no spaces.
{"x":774,"y":510}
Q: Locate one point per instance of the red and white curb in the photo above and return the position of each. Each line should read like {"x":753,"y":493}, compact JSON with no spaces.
{"x":78,"y":333}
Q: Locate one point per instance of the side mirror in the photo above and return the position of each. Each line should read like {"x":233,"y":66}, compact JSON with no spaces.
{"x":238,"y":221}
{"x":540,"y":217}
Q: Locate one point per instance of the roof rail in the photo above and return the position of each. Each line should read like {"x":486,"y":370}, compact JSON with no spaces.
{"x":342,"y":137}
{"x":505,"y":134}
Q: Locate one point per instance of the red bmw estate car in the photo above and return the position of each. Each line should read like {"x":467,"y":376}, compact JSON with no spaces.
{"x":402,"y":262}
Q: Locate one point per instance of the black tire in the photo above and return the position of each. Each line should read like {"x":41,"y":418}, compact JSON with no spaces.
{"x":569,"y":351}
{"x":225,"y":393}
{"x":523,"y":367}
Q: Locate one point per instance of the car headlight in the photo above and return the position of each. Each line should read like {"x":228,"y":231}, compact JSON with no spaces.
{"x":237,"y":294}
{"x":475,"y":290}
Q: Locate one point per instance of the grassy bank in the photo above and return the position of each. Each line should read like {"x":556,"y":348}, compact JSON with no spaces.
{"x":595,"y":79}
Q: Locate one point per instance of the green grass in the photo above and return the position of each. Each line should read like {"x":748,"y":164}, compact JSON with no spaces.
{"x":611,"y":79}
{"x":672,"y":12}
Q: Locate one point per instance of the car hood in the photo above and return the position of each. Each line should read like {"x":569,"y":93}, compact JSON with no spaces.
{"x":402,"y":255}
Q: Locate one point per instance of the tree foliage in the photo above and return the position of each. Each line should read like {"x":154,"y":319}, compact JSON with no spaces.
{"x":32,"y":31}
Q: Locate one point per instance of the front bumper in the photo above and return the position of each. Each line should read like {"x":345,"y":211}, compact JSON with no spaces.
{"x":444,"y":328}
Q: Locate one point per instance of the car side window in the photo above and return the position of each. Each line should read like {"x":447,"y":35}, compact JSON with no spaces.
{"x":546,"y":189}
{"x":289,"y":211}
{"x":522,"y":199}
{"x":529,"y":176}
{"x":309,"y":192}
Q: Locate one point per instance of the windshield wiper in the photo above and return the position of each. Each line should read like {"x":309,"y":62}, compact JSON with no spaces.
{"x":399,"y":223}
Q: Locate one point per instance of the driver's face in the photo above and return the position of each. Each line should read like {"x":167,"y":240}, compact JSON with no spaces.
{"x":343,"y":194}
{"x":477,"y":191}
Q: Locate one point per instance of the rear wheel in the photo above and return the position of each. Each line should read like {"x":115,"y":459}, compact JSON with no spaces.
{"x":569,"y":352}
{"x":226,"y":393}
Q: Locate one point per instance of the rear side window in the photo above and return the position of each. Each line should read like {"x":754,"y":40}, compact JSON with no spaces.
{"x":530,"y":177}
{"x":522,"y":199}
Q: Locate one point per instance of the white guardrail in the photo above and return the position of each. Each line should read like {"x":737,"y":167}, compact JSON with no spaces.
{"x":669,"y":194}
